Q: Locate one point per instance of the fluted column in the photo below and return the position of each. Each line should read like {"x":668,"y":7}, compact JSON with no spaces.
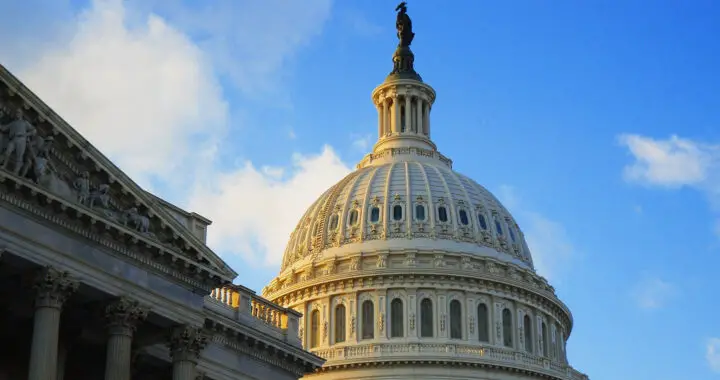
{"x":426,"y":120}
{"x":408,"y":115}
{"x":122,"y":317}
{"x":52,"y":287}
{"x":396,"y":114}
{"x":386,"y":117}
{"x":380,"y":119}
{"x":418,"y":115}
{"x":186,"y":343}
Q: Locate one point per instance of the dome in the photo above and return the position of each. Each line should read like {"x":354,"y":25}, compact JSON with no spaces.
{"x":406,"y":269}
{"x":402,"y":203}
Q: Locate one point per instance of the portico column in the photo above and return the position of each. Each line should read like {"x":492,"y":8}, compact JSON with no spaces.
{"x":186,"y":343}
{"x":122,"y":316}
{"x":52,"y":287}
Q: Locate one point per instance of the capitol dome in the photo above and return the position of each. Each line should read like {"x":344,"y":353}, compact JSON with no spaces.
{"x":394,"y":202}
{"x":407,"y":269}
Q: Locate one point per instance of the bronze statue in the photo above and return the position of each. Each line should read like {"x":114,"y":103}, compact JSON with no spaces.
{"x":404,"y":25}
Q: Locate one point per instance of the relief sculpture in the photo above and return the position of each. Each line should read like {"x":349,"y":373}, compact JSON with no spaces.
{"x":26,"y":152}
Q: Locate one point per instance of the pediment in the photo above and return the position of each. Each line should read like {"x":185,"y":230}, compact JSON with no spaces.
{"x":52,"y":162}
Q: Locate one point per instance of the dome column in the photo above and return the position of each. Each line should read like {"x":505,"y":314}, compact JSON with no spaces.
{"x":418,"y":115}
{"x":395,"y":114}
{"x":408,"y":117}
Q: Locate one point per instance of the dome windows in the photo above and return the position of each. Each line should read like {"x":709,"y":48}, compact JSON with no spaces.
{"x":512,"y":234}
{"x":498,"y":228}
{"x":462,"y":215}
{"x":368,"y":320}
{"x":334,"y":222}
{"x":397,"y":213}
{"x":481,"y":221}
{"x":483,"y":323}
{"x":420,"y":212}
{"x":396,"y":319}
{"x":507,"y":328}
{"x":426,"y":318}
{"x":455,"y":319}
{"x":340,"y":324}
{"x":442,"y":214}
{"x":527,"y":325}
{"x":314,"y":328}
{"x":353,"y":218}
{"x":374,"y":214}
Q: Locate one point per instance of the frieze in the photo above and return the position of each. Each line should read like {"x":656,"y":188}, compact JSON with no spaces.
{"x":38,"y":146}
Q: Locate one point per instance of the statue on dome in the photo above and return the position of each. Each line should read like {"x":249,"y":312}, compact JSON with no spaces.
{"x":404,"y":25}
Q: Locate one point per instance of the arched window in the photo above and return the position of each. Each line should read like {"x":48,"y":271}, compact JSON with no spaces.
{"x":507,"y":328}
{"x":419,"y":213}
{"x":482,"y":221}
{"x":334,"y":222}
{"x":498,"y":227}
{"x":483,"y":323}
{"x":455,"y":320}
{"x":403,"y":121}
{"x":353,"y":217}
{"x":368,"y":320}
{"x":527,"y":326}
{"x":396,"y":318}
{"x":546,"y":351}
{"x":374,"y":214}
{"x":512,"y":233}
{"x":426,"y":318}
{"x":463,"y":217}
{"x":397,"y":212}
{"x":340,"y":324}
{"x":314,"y":328}
{"x":442,"y":214}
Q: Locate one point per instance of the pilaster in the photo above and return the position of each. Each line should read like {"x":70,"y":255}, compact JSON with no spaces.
{"x":122,"y":317}
{"x":52,"y":288}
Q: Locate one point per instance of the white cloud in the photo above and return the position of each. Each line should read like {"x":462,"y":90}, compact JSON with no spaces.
{"x":651,"y":292}
{"x":673,"y":162}
{"x":146,"y":90}
{"x":551,"y":247}
{"x":254,"y":211}
{"x":248,"y":40}
{"x":145,"y":96}
{"x":362,"y":143}
{"x":712,"y":354}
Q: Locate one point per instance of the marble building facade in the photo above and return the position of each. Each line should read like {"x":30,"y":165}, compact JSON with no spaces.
{"x":101,"y":279}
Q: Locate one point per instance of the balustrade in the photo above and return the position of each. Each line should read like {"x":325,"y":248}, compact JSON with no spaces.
{"x":249,"y":304}
{"x":494,"y":355}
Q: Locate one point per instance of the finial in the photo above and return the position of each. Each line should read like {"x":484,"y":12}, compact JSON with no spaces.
{"x":404,"y":25}
{"x":403,"y":58}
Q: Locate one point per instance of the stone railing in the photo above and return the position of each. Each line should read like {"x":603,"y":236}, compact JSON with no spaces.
{"x":457,"y":352}
{"x":241,"y":303}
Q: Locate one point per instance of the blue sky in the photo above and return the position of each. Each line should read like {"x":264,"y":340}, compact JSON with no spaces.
{"x":596,"y":122}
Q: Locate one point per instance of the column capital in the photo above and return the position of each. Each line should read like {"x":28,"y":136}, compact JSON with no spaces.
{"x":186,"y":343}
{"x":124,"y":314}
{"x":53,"y":287}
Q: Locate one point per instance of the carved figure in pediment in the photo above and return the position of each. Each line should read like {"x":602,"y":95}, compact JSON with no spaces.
{"x":82,"y":185}
{"x":37,"y":157}
{"x":139,"y":222}
{"x":100,"y":196}
{"x":19,"y":131}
